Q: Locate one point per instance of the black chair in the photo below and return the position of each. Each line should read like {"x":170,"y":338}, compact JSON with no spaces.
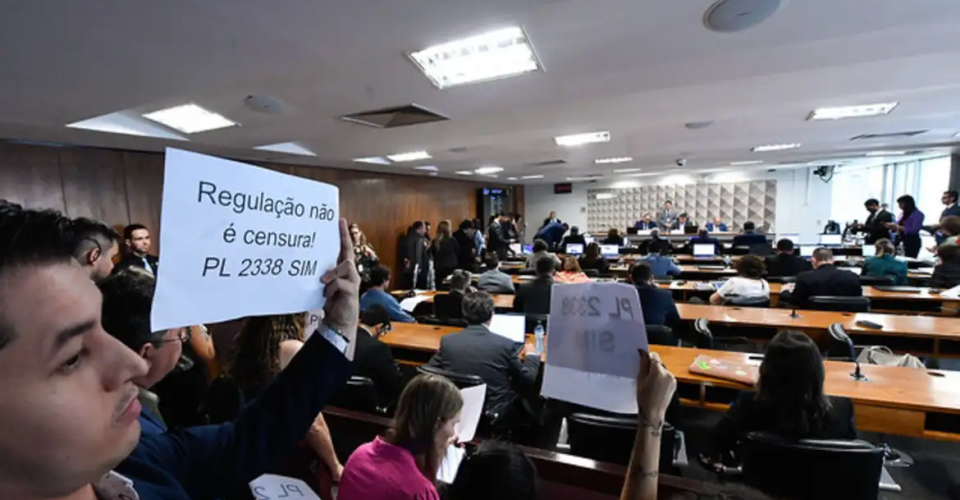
{"x":812,"y":468}
{"x":761,"y":302}
{"x":359,"y":394}
{"x":705,"y":339}
{"x":491,"y":422}
{"x":877,"y":280}
{"x":840,"y":304}
{"x":781,"y":279}
{"x":761,"y":250}
{"x":461,"y":380}
{"x":448,"y":306}
{"x":661,"y":335}
{"x":610,"y":438}
{"x":592,"y":273}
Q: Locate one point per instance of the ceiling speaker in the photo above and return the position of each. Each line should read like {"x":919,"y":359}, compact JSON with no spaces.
{"x":727,"y":16}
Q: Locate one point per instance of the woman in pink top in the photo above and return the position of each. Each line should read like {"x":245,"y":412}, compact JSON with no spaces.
{"x":571,"y":272}
{"x":403,"y":464}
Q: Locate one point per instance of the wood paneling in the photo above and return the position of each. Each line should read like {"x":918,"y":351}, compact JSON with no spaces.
{"x":121,"y":187}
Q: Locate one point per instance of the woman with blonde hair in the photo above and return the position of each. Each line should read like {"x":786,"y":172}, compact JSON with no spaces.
{"x":571,"y":272}
{"x":445,"y":251}
{"x":403,"y":464}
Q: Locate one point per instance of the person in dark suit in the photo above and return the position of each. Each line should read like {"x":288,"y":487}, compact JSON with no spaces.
{"x":658,"y":306}
{"x":646,"y":224}
{"x":446,"y":251}
{"x":824,"y":280}
{"x":613,"y":237}
{"x":552,"y":233}
{"x":681,"y":223}
{"x":785,"y":263}
{"x":574,"y":237}
{"x":136,"y":237}
{"x":703,"y":238}
{"x":374,"y":359}
{"x":414,"y":258}
{"x":494,"y":358}
{"x":876,"y":224}
{"x":465,"y":236}
{"x":533,"y":297}
{"x":749,"y":238}
{"x":717,"y":226}
{"x":496,"y":237}
{"x":947,"y":273}
{"x":449,"y":305}
{"x":949,"y":200}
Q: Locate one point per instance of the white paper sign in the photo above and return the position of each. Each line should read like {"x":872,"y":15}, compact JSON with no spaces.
{"x":593,"y":335}
{"x":240,"y":240}
{"x":410,"y":303}
{"x":511,"y":326}
{"x":450,"y":464}
{"x":953,"y":293}
{"x":274,"y":487}
{"x":473,"y":398}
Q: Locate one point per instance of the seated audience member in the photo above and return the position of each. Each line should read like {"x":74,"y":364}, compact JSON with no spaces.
{"x":789,"y":401}
{"x":592,"y":258}
{"x":571,"y":272}
{"x":785,"y":263}
{"x":466,"y":240}
{"x":947,"y":273}
{"x":824,"y":280}
{"x":494,"y":358}
{"x":374,"y":360}
{"x":613,"y":237}
{"x":716,"y":226}
{"x":749,"y":237}
{"x":403,"y":464}
{"x":493,"y":280}
{"x":69,"y":430}
{"x":682,"y":221}
{"x":95,"y":246}
{"x":450,"y":306}
{"x":377,"y":294}
{"x":885,"y":263}
{"x":655,"y":238}
{"x":533,"y":297}
{"x":747,"y":286}
{"x":552,"y":233}
{"x":949,"y":231}
{"x":703,"y":238}
{"x":646,"y":224}
{"x":659,"y":260}
{"x":136,"y":238}
{"x":574,"y":237}
{"x":540,"y":250}
{"x":658,"y":306}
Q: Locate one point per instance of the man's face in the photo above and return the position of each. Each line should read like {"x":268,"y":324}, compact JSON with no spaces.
{"x":646,"y":218}
{"x":103,"y":265}
{"x":872,"y":207}
{"x":668,"y":205}
{"x":139,"y":241}
{"x":68,"y":404}
{"x":161,"y":358}
{"x":553,"y":215}
{"x":716,"y":220}
{"x":946,"y":199}
{"x":683,"y":219}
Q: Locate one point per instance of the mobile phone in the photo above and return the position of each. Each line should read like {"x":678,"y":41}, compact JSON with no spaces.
{"x":869,"y":324}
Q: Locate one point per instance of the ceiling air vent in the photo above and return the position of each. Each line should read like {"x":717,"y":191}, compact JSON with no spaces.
{"x":890,"y":135}
{"x":399,"y":116}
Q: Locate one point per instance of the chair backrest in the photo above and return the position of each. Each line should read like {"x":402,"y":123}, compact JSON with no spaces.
{"x":840,"y":345}
{"x":460,"y":380}
{"x":448,"y":306}
{"x":812,"y":468}
{"x":359,"y":394}
{"x":704,"y":336}
{"x":661,"y":335}
{"x":760,"y":249}
{"x":877,"y":280}
{"x":748,"y":301}
{"x":842,"y":304}
{"x":781,"y":279}
{"x":609,"y":438}
{"x":592,"y":273}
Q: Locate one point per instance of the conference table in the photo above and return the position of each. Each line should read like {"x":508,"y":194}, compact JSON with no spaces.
{"x":894,"y":400}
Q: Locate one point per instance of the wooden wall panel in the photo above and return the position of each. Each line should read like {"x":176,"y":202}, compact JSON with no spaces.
{"x":30,"y":175}
{"x":143,"y":175}
{"x":93,"y":185}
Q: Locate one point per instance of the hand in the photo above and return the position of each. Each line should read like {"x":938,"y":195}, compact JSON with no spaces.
{"x":655,"y":386}
{"x":342,"y":309}
{"x":336,"y":473}
{"x":406,"y":264}
{"x":530,"y":350}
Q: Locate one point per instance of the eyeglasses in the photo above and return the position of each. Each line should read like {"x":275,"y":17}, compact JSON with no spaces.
{"x":183,"y":336}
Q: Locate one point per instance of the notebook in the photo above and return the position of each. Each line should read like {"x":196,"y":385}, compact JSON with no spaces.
{"x":744,"y":373}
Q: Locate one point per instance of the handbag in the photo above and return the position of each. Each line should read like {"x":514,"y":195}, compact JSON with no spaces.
{"x":883,"y":356}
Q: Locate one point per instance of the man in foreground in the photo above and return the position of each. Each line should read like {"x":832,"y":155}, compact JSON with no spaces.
{"x":96,"y":244}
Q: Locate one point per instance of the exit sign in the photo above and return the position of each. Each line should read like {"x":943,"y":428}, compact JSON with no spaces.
{"x":564,"y":188}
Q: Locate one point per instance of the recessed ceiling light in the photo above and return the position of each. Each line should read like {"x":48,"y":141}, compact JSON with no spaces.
{"x":463,"y":172}
{"x":617,"y":159}
{"x":584,"y":178}
{"x":488,"y":56}
{"x":430,"y":168}
{"x":581,"y":139}
{"x":190,"y":119}
{"x":712,"y":170}
{"x":886,"y":153}
{"x":373,"y":160}
{"x":511,"y":178}
{"x":852,"y":111}
{"x":411,"y":156}
{"x":626,"y":170}
{"x":127,"y":124}
{"x":775,"y":147}
{"x":744,"y":163}
{"x":290,"y":148}
{"x":489,"y":170}
{"x":528,"y":177}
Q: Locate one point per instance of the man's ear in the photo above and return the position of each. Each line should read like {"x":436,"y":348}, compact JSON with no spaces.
{"x":93,"y":255}
{"x":146,"y":351}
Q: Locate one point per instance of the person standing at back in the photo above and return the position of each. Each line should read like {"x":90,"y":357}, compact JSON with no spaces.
{"x":136,"y":237}
{"x":667,"y":216}
{"x":496,"y":238}
{"x":824,"y":280}
{"x":909,"y":226}
{"x":785,"y":263}
{"x":949,"y":200}
{"x":465,"y":236}
{"x":876,"y":224}
{"x":414,"y":258}
{"x":552,"y":233}
{"x":445,"y":251}
{"x":885,"y":263}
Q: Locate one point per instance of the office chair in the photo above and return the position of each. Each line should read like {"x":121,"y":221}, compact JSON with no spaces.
{"x":761,"y":302}
{"x":447,"y":306}
{"x":877,"y":280}
{"x":810,"y":468}
{"x":609,"y":438}
{"x":592,"y":273}
{"x":703,"y":337}
{"x":359,"y":394}
{"x":491,"y":422}
{"x":840,"y":304}
{"x":461,"y":380}
{"x":760,"y":250}
{"x":781,"y":279}
{"x":661,"y":335}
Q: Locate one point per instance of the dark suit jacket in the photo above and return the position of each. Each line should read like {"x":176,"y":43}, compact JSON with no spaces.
{"x":448,"y":305}
{"x":575,"y":239}
{"x":787,"y":265}
{"x":825,"y":280}
{"x":874,"y":226}
{"x":533,"y":297}
{"x":494,"y":358}
{"x":658,"y":306}
{"x":749,"y":239}
{"x":946,"y":275}
{"x":467,"y":251}
{"x":374,"y":359}
{"x":130,"y":260}
{"x":446,"y":253}
{"x":645,"y":226}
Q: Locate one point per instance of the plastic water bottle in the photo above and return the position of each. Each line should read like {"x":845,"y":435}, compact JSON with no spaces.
{"x":538,"y":335}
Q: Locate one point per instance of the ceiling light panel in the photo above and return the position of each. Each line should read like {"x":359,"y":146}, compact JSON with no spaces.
{"x":626,"y":170}
{"x":429,"y":168}
{"x":860,"y":111}
{"x":463,"y":172}
{"x":581,"y":139}
{"x":373,"y":160}
{"x":411,"y":156}
{"x":745,"y":163}
{"x":489,"y":170}
{"x":125,"y":123}
{"x":190,"y":119}
{"x":489,"y":56}
{"x":614,"y":160}
{"x":531,"y":177}
{"x":775,"y":147}
{"x":290,"y":148}
{"x":886,"y":153}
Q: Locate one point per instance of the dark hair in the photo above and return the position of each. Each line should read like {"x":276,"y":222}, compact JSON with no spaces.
{"x":909,"y":206}
{"x":703,"y":233}
{"x":750,"y":266}
{"x":498,"y":470}
{"x":466,"y":224}
{"x":539,"y":245}
{"x":417,"y":225}
{"x":749,"y":226}
{"x":668,"y":201}
{"x":822,"y":254}
{"x":491,"y":260}
{"x":684,"y":215}
{"x":872,"y":201}
{"x":374,"y":315}
{"x":613,"y":233}
{"x":785,"y":245}
{"x":460,"y":280}
{"x":574,"y":230}
{"x":477,"y":307}
{"x":592,"y":254}
{"x":128,"y":231}
{"x":951,"y":194}
{"x":545,"y":266}
{"x":31,"y":238}
{"x":90,"y":234}
{"x":125,"y":311}
{"x":641,"y":272}
{"x":791,"y":385}
{"x":379,"y":275}
{"x":660,"y":246}
{"x":950,"y":225}
{"x":256,"y":354}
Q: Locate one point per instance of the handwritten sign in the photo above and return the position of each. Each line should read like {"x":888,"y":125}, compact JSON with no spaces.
{"x":239,"y":240}
{"x":473,"y":398}
{"x":594,"y":332}
{"x":274,"y":487}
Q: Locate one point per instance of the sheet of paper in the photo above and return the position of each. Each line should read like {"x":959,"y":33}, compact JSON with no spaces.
{"x":240,"y":240}
{"x":410,"y":303}
{"x":450,"y":464}
{"x":471,"y":412}
{"x":952,"y":293}
{"x":311,"y":321}
{"x":510,"y":326}
{"x":594,"y":333}
{"x":274,"y":487}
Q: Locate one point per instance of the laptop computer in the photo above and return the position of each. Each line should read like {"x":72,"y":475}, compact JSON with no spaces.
{"x":691,"y":229}
{"x":807,"y":250}
{"x":610,"y":251}
{"x":574,"y":248}
{"x":834,"y":240}
{"x":704,"y":250}
{"x":869,"y":251}
{"x":528,"y":249}
{"x":516,"y":248}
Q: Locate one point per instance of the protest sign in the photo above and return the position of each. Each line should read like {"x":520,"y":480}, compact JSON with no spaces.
{"x":274,"y":487}
{"x":239,"y":240}
{"x":593,"y":334}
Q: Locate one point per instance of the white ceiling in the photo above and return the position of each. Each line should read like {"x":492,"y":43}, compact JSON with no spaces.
{"x":638,"y":68}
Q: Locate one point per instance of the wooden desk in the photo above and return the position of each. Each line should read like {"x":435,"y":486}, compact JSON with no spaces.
{"x":868,"y":291}
{"x":901,"y":401}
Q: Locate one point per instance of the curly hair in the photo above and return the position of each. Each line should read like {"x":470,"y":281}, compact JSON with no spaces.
{"x":256,"y":356}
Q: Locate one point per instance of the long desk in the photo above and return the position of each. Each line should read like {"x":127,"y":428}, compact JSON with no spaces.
{"x":901,"y":401}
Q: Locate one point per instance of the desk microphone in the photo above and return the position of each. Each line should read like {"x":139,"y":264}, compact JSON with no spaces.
{"x":794,"y":315}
